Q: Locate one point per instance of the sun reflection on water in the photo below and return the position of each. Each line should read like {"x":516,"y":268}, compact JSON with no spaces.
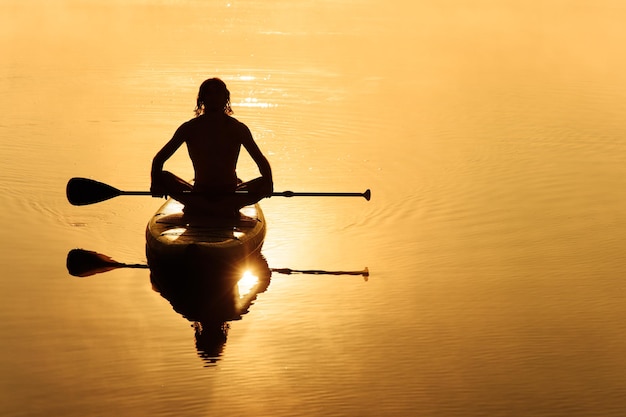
{"x":254,"y":102}
{"x":246,"y":283}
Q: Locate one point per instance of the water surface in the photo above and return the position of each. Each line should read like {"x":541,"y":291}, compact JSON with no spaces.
{"x":492,"y":138}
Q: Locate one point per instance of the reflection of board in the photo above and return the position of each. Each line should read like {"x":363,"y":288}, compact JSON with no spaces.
{"x":172,"y":236}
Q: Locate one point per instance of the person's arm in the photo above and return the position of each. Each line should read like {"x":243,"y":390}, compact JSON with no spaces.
{"x":257,"y":156}
{"x":161,"y":157}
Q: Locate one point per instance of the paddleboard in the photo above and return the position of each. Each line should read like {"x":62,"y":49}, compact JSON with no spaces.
{"x":173,"y":237}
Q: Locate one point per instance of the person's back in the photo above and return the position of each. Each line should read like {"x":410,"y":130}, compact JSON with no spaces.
{"x":214,"y":143}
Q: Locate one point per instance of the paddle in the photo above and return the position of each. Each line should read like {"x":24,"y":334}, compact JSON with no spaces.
{"x":84,"y":263}
{"x":84,"y":191}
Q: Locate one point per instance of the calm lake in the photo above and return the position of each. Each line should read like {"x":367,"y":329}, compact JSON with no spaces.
{"x":491,"y":134}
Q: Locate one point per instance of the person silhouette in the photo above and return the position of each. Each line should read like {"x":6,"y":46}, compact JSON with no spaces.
{"x":214,"y":139}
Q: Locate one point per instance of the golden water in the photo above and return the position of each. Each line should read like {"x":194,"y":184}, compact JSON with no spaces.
{"x":491,"y":134}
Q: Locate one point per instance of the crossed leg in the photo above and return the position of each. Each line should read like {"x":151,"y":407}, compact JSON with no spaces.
{"x":218,"y":202}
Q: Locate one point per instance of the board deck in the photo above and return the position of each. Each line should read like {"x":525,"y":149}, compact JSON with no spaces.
{"x":172,"y":235}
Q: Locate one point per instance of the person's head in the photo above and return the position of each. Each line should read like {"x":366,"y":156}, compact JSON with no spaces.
{"x":213,"y":97}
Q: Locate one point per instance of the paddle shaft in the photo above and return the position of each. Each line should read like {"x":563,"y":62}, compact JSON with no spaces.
{"x":365,"y":195}
{"x":274,"y":194}
{"x":289,"y":271}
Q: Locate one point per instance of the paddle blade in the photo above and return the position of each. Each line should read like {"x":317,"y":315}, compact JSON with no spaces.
{"x":84,"y":191}
{"x":367,"y":194}
{"x":83,"y":263}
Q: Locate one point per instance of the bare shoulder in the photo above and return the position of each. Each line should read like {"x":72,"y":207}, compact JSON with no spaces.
{"x":193,"y":127}
{"x":238,"y":127}
{"x":199,"y":126}
{"x":234,"y":122}
{"x":187,"y":127}
{"x":192,"y":124}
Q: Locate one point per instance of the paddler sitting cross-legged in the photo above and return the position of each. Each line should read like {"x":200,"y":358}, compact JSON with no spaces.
{"x":214,"y":140}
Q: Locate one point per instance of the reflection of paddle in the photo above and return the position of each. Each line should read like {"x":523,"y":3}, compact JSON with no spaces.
{"x":83,"y":263}
{"x":84,"y":191}
{"x":288,"y":271}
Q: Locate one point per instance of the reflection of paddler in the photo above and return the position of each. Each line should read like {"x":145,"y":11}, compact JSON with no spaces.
{"x":208,"y":294}
{"x":212,"y":296}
